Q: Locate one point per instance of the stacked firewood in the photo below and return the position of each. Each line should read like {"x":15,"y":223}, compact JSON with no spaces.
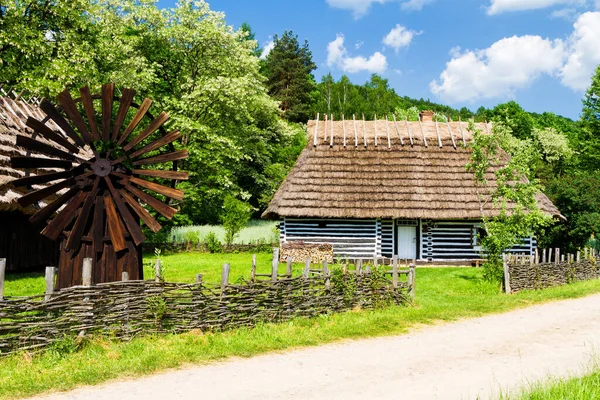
{"x":300,"y":251}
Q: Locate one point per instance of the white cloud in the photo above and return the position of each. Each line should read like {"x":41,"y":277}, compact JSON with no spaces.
{"x":337,"y":56}
{"x":267,"y":49}
{"x":584,"y":55}
{"x":569,"y":13}
{"x":500,"y":6}
{"x":399,"y":37}
{"x":498,"y":71}
{"x":358,"y":44}
{"x":360,"y":8}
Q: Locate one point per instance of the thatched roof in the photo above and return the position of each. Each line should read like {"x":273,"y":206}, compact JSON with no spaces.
{"x":405,"y":170}
{"x":13,"y":116}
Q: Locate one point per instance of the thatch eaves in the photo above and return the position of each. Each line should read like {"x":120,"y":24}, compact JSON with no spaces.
{"x":385,"y":169}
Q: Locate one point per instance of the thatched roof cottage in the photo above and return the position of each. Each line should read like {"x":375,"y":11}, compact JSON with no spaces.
{"x":383,"y":188}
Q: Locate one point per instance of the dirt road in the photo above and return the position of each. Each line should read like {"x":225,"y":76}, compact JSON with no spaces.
{"x":461,"y":360}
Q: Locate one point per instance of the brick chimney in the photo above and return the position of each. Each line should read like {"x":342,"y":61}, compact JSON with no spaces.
{"x":426,"y":115}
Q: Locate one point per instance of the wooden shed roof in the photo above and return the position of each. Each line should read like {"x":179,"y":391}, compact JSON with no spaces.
{"x":384,"y":169}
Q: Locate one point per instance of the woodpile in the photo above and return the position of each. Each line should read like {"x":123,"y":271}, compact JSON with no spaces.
{"x":299,"y":251}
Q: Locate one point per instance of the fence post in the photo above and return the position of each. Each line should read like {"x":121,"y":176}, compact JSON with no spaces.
{"x":544,"y":256}
{"x":359,"y":266}
{"x":506,"y":274}
{"x":578,"y":256}
{"x":556,"y":255}
{"x":537,"y":256}
{"x":157,"y":270}
{"x":125,"y":276}
{"x":198,"y":279}
{"x":2,"y":271}
{"x":412,"y":281}
{"x":274,"y":264}
{"x":288,"y":270}
{"x":326,"y":273}
{"x":225,"y":276}
{"x":306,"y":271}
{"x":49,"y":277}
{"x":253,"y":271}
{"x":86,"y":275}
{"x":395,"y":271}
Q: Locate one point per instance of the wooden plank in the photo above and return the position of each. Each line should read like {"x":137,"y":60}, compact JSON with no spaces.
{"x":124,"y":105}
{"x":150,"y":129}
{"x":44,"y":148}
{"x":162,"y":174}
{"x":70,"y":108}
{"x":108,"y":91}
{"x":143,"y":108}
{"x":176,"y":155}
{"x":168,"y":138}
{"x":35,"y":162}
{"x":98,"y":225}
{"x":116,"y":230}
{"x":41,"y":194}
{"x":165,"y":210}
{"x":130,"y":222}
{"x":56,"y":116}
{"x":64,"y":217}
{"x":77,"y":232}
{"x":51,"y":135}
{"x":88,"y":106}
{"x":164,"y":190}
{"x":141,"y":212}
{"x":43,"y":178}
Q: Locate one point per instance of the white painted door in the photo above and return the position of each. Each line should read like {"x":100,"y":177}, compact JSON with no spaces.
{"x":407,"y":241}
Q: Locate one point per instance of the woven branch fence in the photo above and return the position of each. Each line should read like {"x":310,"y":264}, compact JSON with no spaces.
{"x":549,"y":268}
{"x":125,"y":309}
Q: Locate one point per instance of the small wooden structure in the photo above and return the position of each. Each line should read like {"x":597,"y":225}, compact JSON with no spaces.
{"x":98,"y":179}
{"x":386,"y":187}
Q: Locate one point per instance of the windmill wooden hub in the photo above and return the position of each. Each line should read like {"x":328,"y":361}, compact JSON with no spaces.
{"x":100,"y":169}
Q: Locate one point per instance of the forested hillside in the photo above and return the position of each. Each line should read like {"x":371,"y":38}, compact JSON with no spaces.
{"x":242,"y":115}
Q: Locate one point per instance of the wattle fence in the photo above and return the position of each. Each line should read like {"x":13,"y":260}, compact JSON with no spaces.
{"x":126,"y":309}
{"x":549,"y":268}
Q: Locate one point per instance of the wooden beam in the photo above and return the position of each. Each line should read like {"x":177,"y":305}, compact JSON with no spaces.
{"x":398,"y":130}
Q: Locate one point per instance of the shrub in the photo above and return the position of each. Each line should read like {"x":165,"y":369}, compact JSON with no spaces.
{"x":191,"y":237}
{"x":235,"y":217}
{"x":212,"y":242}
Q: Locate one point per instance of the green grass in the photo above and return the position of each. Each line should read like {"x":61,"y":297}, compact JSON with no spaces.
{"x":257,"y":231}
{"x":443,"y":294}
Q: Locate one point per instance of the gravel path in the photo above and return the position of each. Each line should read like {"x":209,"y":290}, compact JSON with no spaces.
{"x":460,"y":360}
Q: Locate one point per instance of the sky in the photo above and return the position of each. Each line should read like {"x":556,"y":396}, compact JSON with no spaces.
{"x":540,"y":53}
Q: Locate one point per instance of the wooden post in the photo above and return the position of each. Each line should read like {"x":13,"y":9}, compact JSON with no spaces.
{"x":326,"y":273}
{"x":395,"y":271}
{"x":253,"y":271}
{"x":199,"y":279}
{"x":537,"y":256}
{"x":225,"y":276}
{"x":2,"y":271}
{"x":275,"y":264}
{"x":125,"y":276}
{"x":49,"y":277}
{"x":375,"y":262}
{"x":288,"y":269}
{"x":87,"y":272}
{"x":585,"y":256}
{"x":506,"y":274}
{"x":556,"y":255}
{"x":359,"y":270}
{"x":412,"y":281}
{"x":544,"y":256}
{"x":157,"y":268}
{"x":306,"y":270}
{"x":578,"y":256}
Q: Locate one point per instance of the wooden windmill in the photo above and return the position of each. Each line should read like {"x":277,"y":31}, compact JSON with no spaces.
{"x":105,"y":169}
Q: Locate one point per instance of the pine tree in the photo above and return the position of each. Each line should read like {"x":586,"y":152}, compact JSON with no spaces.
{"x":288,"y":68}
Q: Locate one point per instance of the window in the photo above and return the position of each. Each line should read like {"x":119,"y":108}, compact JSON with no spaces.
{"x":478,"y":233}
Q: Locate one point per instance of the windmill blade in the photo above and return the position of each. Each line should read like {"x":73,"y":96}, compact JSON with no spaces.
{"x":70,"y":108}
{"x":168,"y":138}
{"x":34,"y":162}
{"x":124,"y":105}
{"x":130,"y":222}
{"x":37,"y":179}
{"x":176,"y":155}
{"x":64,"y":217}
{"x":116,"y":230}
{"x":182,"y":176}
{"x":175,"y":194}
{"x":56,"y":116}
{"x":41,"y":194}
{"x":141,"y":212}
{"x":46,"y":212}
{"x":165,"y":210}
{"x":88,"y":106}
{"x":154,"y":125}
{"x":44,"y":148}
{"x":108,"y":91}
{"x":49,"y":134}
{"x":136,"y":119}
{"x":98,"y":225}
{"x":77,"y":232}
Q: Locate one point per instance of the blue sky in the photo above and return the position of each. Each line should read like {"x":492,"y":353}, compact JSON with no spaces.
{"x":540,"y":53}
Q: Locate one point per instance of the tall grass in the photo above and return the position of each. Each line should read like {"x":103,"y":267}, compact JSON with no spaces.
{"x":257,"y":231}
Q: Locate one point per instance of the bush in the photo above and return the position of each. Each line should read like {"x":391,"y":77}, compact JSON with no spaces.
{"x":191,"y":237}
{"x":235,"y":217}
{"x":212,"y":242}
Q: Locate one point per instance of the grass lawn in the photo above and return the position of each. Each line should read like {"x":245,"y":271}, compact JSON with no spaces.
{"x":443,"y":294}
{"x":586,"y":387}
